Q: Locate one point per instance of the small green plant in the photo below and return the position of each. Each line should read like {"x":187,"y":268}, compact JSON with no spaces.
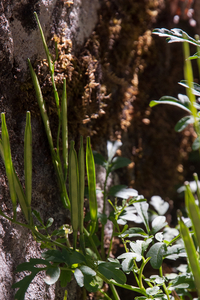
{"x":149,"y":243}
{"x":189,"y":104}
{"x":185,"y":102}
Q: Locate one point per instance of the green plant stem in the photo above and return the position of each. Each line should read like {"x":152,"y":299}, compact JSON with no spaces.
{"x":174,"y":240}
{"x":124,"y":286}
{"x":57,"y":142}
{"x":134,"y":273}
{"x":111,"y":241}
{"x":104,"y":210}
{"x":92,"y":243}
{"x":198,"y":189}
{"x":129,"y":287}
{"x":144,"y":262}
{"x":188,"y":73}
{"x":198,"y":53}
{"x":105,"y":295}
{"x":164,"y":285}
{"x":114,"y":292}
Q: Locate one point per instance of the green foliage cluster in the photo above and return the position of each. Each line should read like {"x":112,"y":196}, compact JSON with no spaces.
{"x":150,"y":242}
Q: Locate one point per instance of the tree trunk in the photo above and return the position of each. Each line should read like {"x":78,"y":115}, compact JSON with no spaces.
{"x":114,"y":68}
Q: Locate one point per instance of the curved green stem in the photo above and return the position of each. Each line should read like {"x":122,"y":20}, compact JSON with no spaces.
{"x":164,"y":285}
{"x":144,"y":262}
{"x":114,"y":292}
{"x":104,"y":210}
{"x":92,"y":243}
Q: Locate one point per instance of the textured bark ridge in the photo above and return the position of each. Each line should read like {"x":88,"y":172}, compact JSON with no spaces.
{"x":114,"y":67}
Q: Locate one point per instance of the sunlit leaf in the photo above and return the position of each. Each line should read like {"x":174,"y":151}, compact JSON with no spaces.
{"x":111,"y":271}
{"x":183,"y":123}
{"x":52,"y":275}
{"x":119,"y":162}
{"x":158,"y":223}
{"x":121,"y":191}
{"x":156,"y":253}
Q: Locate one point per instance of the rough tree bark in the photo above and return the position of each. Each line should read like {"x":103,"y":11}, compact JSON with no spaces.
{"x":114,"y":67}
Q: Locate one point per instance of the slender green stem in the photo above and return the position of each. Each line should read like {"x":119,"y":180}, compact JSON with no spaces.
{"x":174,"y":240}
{"x":105,"y":295}
{"x":104,"y":210}
{"x":129,"y":287}
{"x":164,"y":285}
{"x":92,"y":243}
{"x":124,"y":286}
{"x":144,"y":262}
{"x":149,"y":283}
{"x":134,"y":273}
{"x":57,"y":142}
{"x":114,"y":292}
{"x":111,"y":241}
{"x":198,"y":189}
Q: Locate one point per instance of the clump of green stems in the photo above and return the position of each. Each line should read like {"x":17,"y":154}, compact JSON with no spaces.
{"x":91,"y":267}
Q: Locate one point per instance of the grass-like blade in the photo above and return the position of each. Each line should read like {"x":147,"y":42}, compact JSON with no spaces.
{"x":193,"y":212}
{"x":191,"y":254}
{"x":73,"y":191}
{"x":198,"y":187}
{"x":64,"y":129}
{"x":42,"y":107}
{"x":18,"y":188}
{"x":28,"y":162}
{"x":8,"y":162}
{"x":91,"y":175}
{"x":44,"y":43}
{"x":81,"y":166}
{"x":51,"y":65}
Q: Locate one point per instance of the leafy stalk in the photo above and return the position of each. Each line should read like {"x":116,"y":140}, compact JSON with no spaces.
{"x":18,"y":188}
{"x":56,"y":161}
{"x":8,"y":162}
{"x":74,"y":191}
{"x":193,"y":211}
{"x":64,"y":129}
{"x":188,"y":74}
{"x":198,"y":189}
{"x":164,"y":285}
{"x":51,"y":65}
{"x":81,"y":190}
{"x":91,"y":186}
{"x":191,"y":253}
{"x":28,"y":163}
